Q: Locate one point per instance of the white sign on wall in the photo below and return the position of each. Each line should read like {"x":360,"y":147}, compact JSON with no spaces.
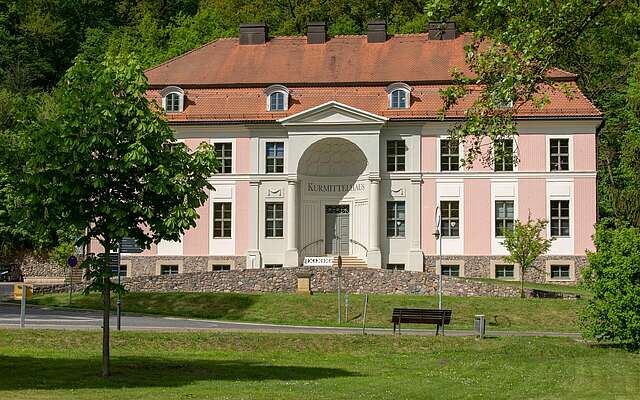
{"x":317,"y":262}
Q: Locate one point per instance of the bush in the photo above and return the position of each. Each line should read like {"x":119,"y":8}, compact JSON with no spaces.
{"x":613,"y":276}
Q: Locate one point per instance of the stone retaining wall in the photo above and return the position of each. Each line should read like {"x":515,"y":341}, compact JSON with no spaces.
{"x":324,"y":279}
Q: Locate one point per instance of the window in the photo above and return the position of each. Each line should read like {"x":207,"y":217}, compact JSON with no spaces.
{"x":395,"y":267}
{"x":560,"y":218}
{"x":395,"y":155}
{"x":449,"y":219}
{"x":449,"y":155}
{"x":504,"y":271}
{"x":171,"y":269}
{"x":560,"y":272}
{"x":277,"y":101}
{"x":399,"y":98}
{"x":172,"y":102}
{"x":503,"y":155}
{"x":277,"y":98}
{"x":559,"y":154}
{"x":172,"y":99}
{"x":275,"y":157}
{"x":399,"y":95}
{"x":220,"y":267}
{"x":123,"y":270}
{"x":395,"y":219}
{"x":221,"y":220}
{"x":450,"y":270}
{"x":274,"y":219}
{"x":504,"y":217}
{"x":273,"y":266}
{"x":224,"y":153}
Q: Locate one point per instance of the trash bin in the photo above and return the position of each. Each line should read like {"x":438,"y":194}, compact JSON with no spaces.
{"x":479,"y":325}
{"x":19,"y":287}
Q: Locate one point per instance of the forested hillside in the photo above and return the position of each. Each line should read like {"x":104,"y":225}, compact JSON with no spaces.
{"x":39,"y":40}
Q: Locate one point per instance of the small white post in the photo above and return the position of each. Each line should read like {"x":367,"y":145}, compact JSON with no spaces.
{"x":23,"y":306}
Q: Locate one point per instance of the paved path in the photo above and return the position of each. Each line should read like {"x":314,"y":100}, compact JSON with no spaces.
{"x":59,"y":318}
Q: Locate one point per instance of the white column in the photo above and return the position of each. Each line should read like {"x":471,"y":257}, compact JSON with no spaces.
{"x":291,"y":258}
{"x":413,"y":223}
{"x":254,"y":257}
{"x":374,"y":256}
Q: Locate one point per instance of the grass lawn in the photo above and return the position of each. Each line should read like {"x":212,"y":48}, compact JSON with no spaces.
{"x":66,"y":364}
{"x":321,"y":309}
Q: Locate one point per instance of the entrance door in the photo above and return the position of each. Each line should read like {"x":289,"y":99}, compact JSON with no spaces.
{"x":336,"y":229}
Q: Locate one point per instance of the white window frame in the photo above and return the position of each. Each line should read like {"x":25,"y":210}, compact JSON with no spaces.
{"x":438,"y":155}
{"x":399,"y":86}
{"x":264,"y":159}
{"x":172,"y":90}
{"x":233,"y":152}
{"x":572,"y":270}
{"x":492,"y":270}
{"x":160,"y":263}
{"x":212,"y":263}
{"x":548,"y":153}
{"x":459,"y":263}
{"x":277,"y":89}
{"x":515,"y":152}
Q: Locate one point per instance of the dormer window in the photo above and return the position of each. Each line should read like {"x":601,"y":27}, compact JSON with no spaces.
{"x":399,"y":95}
{"x":277,"y":98}
{"x":172,"y":99}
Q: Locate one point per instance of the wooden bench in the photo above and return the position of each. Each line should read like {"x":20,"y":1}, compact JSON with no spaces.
{"x":420,"y":316}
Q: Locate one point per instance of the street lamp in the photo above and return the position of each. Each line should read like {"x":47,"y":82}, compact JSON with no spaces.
{"x":436,"y":234}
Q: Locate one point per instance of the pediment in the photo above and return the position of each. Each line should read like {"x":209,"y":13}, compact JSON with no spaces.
{"x":333,"y":113}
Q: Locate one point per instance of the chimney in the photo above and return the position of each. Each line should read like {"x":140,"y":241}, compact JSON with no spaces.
{"x":377,"y":31}
{"x":442,"y":30}
{"x":316,"y":33}
{"x":255,"y":33}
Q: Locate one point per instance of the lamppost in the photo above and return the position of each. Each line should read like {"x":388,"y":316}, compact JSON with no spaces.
{"x":436,"y":234}
{"x":339,"y":276}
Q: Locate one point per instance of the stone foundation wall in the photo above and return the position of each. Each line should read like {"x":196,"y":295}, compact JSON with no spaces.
{"x":324,"y":280}
{"x":147,"y":265}
{"x":480,"y":266}
{"x":33,"y":266}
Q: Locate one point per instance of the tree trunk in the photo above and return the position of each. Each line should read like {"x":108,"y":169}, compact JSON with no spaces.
{"x":106,"y":315}
{"x":521,"y":282}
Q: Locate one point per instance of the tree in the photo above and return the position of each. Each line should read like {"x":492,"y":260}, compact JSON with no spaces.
{"x":525,"y":243}
{"x":613,"y":277}
{"x":102,"y":158}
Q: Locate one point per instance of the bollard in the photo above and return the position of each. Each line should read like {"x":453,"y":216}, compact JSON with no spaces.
{"x":23,"y":306}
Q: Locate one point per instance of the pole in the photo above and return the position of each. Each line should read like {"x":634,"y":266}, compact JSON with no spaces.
{"x":70,"y":283}
{"x":364,"y":313}
{"x":339,"y":291}
{"x":23,"y":305}
{"x":119,"y":302}
{"x":346,"y":306}
{"x":440,"y":273}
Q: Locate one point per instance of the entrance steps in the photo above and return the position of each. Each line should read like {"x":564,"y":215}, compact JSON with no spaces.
{"x":350,"y":262}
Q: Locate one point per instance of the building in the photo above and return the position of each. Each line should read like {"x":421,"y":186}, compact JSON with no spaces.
{"x":333,"y":146}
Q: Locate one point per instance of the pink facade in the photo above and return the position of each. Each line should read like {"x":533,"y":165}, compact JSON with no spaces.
{"x":532,"y":198}
{"x":428,"y":210}
{"x":243,"y":225}
{"x":196,"y":240}
{"x":531,"y":151}
{"x":585,"y":214}
{"x":477,"y":216}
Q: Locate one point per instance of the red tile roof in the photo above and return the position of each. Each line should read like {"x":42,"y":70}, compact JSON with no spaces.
{"x":224,"y":81}
{"x":342,"y":59}
{"x":249,"y":104}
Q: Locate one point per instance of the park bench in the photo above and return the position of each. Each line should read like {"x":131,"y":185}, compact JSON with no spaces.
{"x":420,"y":316}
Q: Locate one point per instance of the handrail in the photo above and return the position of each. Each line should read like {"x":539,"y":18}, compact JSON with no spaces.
{"x":309,"y":244}
{"x":359,"y":244}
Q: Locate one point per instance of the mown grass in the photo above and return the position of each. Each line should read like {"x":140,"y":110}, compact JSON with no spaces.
{"x":66,"y":364}
{"x":321,"y":309}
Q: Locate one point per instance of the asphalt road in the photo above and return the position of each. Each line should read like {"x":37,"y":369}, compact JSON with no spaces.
{"x":57,"y":318}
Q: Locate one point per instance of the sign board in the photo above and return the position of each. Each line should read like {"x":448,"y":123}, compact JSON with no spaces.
{"x":72,"y":261}
{"x":129,"y":245}
{"x":114,"y":260}
{"x":317,"y":261}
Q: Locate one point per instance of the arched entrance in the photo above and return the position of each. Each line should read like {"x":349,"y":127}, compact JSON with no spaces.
{"x":334,"y":196}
